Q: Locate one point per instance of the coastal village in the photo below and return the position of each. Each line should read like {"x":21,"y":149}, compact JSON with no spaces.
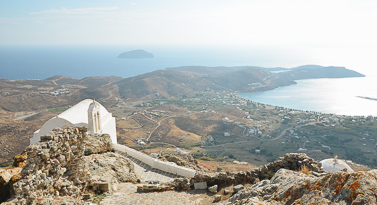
{"x":70,"y":149}
{"x":261,"y":130}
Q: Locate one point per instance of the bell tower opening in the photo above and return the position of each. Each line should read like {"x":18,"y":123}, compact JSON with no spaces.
{"x":94,"y":120}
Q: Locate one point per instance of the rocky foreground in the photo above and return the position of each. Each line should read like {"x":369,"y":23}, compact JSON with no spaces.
{"x":67,"y":166}
{"x":70,"y":167}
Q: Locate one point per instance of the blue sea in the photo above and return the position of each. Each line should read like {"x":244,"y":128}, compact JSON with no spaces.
{"x":338,"y":96}
{"x":40,"y":62}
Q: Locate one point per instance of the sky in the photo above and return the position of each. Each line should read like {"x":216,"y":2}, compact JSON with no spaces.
{"x":315,"y":23}
{"x":310,"y":26}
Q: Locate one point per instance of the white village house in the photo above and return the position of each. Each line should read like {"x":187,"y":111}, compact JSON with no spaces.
{"x":97,"y":119}
{"x":88,"y":113}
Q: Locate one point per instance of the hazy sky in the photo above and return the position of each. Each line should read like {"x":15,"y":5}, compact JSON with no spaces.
{"x":312,"y":23}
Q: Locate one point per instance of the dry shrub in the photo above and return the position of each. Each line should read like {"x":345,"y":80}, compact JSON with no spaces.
{"x":304,"y":169}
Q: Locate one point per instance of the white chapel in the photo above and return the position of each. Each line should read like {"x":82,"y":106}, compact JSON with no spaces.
{"x":88,"y":113}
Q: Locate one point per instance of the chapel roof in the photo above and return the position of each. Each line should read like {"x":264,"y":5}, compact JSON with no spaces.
{"x":335,"y":165}
{"x":79,"y":112}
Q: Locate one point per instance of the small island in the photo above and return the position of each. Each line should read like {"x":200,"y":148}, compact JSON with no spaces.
{"x":136,"y":54}
{"x":367,"y":98}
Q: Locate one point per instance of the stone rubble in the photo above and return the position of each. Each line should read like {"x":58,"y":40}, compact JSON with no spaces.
{"x":67,"y":164}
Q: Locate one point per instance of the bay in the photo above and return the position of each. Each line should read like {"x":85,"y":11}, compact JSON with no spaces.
{"x":336,"y":96}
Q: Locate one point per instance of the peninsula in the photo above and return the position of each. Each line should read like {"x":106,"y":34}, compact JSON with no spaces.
{"x":136,"y":54}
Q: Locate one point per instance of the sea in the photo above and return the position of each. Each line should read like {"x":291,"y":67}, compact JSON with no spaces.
{"x":344,"y":96}
{"x":341,"y":96}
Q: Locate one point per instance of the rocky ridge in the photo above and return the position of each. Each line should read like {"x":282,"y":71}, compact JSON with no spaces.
{"x":290,"y":187}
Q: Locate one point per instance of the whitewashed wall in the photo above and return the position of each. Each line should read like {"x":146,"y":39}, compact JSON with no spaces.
{"x":155,"y":163}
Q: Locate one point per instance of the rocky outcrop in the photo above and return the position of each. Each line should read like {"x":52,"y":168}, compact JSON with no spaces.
{"x":290,"y":187}
{"x":291,"y":161}
{"x":68,"y":163}
{"x":10,"y":175}
{"x":109,"y":166}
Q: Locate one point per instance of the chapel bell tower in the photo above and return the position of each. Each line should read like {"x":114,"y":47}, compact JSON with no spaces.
{"x":94,"y":119}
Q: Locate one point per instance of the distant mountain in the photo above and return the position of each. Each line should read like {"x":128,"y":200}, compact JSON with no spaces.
{"x":222,"y":69}
{"x":136,"y":54}
{"x":316,"y":71}
{"x":212,"y":70}
{"x":191,"y":80}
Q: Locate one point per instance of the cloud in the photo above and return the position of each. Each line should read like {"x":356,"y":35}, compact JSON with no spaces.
{"x":95,"y":10}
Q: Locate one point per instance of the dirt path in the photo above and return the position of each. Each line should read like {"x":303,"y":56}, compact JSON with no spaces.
{"x":285,"y":130}
{"x":158,"y":125}
{"x":25,"y":116}
{"x":127,"y":194}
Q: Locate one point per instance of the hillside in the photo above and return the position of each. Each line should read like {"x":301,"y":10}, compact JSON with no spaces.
{"x":188,"y":81}
{"x":29,"y":95}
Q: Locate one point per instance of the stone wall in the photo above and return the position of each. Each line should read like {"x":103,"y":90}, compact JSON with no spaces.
{"x":155,"y":163}
{"x":291,"y":161}
{"x":68,"y":163}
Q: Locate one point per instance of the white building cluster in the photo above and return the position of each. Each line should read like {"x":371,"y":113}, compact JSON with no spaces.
{"x":57,"y":92}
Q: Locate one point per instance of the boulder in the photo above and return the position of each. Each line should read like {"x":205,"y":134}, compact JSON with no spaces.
{"x":237,"y":188}
{"x":227,"y":191}
{"x":8,"y":176}
{"x":213,"y":189}
{"x":217,"y":198}
{"x":19,"y":160}
{"x":200,"y":185}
